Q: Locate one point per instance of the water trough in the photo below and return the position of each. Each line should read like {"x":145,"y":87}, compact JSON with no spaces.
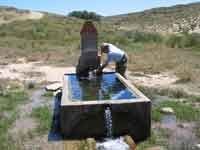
{"x":103,"y":106}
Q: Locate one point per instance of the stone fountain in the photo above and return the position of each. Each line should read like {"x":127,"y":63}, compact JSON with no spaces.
{"x":108,"y":105}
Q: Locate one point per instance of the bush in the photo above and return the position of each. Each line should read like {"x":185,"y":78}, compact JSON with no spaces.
{"x":183,"y":40}
{"x":85,"y":15}
{"x":147,"y":37}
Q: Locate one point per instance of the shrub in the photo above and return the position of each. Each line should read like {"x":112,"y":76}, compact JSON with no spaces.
{"x":174,"y":41}
{"x":147,"y":37}
{"x":85,"y":15}
{"x":183,"y":40}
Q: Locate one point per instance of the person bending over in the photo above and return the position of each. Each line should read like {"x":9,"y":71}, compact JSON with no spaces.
{"x":114,"y":54}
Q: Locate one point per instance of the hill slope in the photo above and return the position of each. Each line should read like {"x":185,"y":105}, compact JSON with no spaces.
{"x":165,"y":19}
{"x":10,"y":14}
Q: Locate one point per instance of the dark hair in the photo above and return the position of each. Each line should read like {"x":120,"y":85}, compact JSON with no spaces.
{"x":105,"y":48}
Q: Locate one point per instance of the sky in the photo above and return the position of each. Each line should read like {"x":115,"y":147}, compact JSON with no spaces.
{"x":102,"y":7}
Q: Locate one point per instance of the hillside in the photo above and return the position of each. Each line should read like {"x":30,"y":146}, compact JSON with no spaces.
{"x":10,"y":14}
{"x":165,"y":19}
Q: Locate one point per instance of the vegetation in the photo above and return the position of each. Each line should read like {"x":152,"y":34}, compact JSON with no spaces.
{"x":43,"y":115}
{"x":158,"y":138}
{"x":180,"y":18}
{"x":48,"y":94}
{"x":183,"y":112}
{"x":9,"y":100}
{"x":85,"y":15}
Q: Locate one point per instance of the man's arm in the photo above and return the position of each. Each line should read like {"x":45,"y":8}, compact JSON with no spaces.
{"x":103,"y":66}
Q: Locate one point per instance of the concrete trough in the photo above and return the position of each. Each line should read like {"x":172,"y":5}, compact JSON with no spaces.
{"x":80,"y":118}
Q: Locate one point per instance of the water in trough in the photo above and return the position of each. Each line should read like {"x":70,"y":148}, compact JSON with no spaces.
{"x":106,"y":87}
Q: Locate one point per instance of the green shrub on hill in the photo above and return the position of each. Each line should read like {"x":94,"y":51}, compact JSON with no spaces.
{"x":85,"y":15}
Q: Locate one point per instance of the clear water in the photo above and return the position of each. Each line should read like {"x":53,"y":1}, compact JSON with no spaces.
{"x":106,"y":87}
{"x":113,"y":144}
{"x":108,"y":122}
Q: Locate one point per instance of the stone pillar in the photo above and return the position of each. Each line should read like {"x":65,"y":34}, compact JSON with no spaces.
{"x":89,"y":59}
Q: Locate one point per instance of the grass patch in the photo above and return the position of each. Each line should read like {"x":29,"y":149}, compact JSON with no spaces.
{"x":183,"y":112}
{"x":48,"y":94}
{"x":43,"y":115}
{"x":156,"y":115}
{"x":195,"y":99}
{"x":5,"y":124}
{"x":172,"y":93}
{"x":158,"y":138}
{"x":9,"y":100}
{"x":198,"y":130}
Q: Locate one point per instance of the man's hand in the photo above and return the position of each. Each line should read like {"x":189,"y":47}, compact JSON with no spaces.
{"x":99,"y":72}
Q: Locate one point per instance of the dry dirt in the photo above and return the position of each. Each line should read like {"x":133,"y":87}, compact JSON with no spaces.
{"x":33,"y":70}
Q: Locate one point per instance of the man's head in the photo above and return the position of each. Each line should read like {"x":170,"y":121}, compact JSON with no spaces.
{"x":104,"y":48}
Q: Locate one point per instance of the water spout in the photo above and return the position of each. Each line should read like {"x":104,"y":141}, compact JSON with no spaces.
{"x":108,"y":122}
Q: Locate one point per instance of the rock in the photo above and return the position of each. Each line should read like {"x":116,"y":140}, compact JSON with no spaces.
{"x":167,"y":110}
{"x":30,"y":84}
{"x":21,"y":61}
{"x":53,"y":87}
{"x":198,"y":146}
{"x":155,"y":148}
{"x":57,"y":92}
{"x":182,"y":125}
{"x":91,"y":143}
{"x":130,"y":142}
{"x":181,"y":100}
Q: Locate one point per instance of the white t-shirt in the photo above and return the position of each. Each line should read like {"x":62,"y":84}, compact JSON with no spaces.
{"x":115,"y":54}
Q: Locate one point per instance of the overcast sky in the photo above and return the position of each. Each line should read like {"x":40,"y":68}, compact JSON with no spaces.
{"x":103,"y":7}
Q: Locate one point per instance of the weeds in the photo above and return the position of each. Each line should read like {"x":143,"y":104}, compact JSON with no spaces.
{"x":8,"y":114}
{"x":172,"y":93}
{"x":183,"y":112}
{"x":158,"y":138}
{"x":48,"y":94}
{"x":43,"y":115}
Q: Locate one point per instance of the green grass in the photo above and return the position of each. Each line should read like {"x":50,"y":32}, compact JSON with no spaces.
{"x":156,"y":115}
{"x":195,"y":99}
{"x":48,"y":94}
{"x":183,"y":112}
{"x":9,"y":100}
{"x":44,"y":117}
{"x":172,"y":93}
{"x":158,"y":138}
{"x":198,"y":130}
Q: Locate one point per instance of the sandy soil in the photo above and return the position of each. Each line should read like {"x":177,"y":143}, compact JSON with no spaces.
{"x":35,"y":71}
{"x":164,"y":79}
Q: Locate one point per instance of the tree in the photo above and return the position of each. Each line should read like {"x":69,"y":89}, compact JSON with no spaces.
{"x":85,"y":15}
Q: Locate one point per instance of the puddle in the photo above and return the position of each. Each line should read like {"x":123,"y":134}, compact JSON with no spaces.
{"x":169,"y":121}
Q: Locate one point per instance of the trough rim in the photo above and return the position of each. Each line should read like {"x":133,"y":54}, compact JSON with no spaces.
{"x":140,"y":97}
